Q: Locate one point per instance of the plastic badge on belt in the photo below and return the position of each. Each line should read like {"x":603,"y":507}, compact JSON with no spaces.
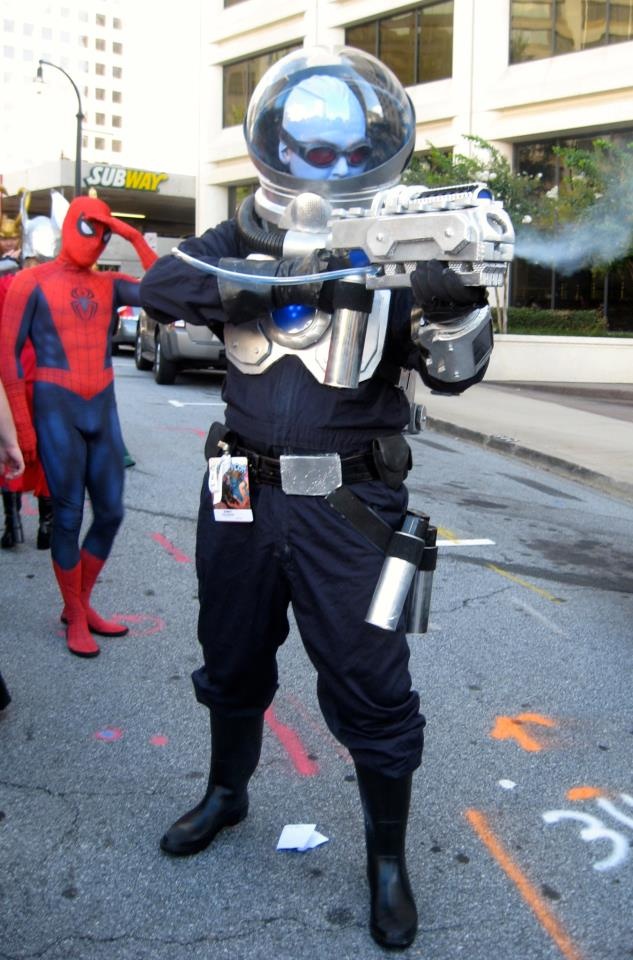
{"x":229,"y":486}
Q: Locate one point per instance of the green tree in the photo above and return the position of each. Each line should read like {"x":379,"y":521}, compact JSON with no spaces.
{"x":519,"y":192}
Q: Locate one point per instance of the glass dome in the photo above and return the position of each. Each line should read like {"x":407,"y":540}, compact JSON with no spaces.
{"x":336,"y":122}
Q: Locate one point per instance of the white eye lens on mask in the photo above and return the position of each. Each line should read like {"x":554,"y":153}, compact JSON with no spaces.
{"x":85,"y":228}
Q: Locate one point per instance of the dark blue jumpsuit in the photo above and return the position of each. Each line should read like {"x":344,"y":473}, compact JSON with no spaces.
{"x":298,"y":550}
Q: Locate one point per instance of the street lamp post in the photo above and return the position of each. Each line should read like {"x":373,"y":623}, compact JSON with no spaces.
{"x":80,"y":117}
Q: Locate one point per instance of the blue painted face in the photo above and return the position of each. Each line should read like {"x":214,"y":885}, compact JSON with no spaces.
{"x":323,"y":135}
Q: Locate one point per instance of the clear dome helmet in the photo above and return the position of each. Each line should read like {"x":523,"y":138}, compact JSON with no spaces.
{"x":332,"y":122}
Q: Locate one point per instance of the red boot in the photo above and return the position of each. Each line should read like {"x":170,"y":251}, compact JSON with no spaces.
{"x":91,"y":567}
{"x":78,"y":637}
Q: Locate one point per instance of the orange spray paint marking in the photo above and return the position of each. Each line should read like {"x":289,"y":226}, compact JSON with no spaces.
{"x":511,"y":728}
{"x":528,"y":891}
{"x":584,"y":793}
{"x":292,"y":745}
{"x":173,"y":551}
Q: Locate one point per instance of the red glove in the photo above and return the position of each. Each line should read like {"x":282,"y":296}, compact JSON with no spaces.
{"x":145,"y":253}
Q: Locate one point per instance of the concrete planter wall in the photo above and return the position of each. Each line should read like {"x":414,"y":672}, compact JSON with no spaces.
{"x":561,"y":359}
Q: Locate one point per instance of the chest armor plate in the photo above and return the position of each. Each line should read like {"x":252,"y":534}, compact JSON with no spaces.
{"x":254,"y":346}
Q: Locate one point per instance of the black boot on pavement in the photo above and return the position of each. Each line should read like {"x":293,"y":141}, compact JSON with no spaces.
{"x":45,"y":528}
{"x":13,"y":532}
{"x":235,"y":748}
{"x":393,"y":916}
{"x":5,"y":696}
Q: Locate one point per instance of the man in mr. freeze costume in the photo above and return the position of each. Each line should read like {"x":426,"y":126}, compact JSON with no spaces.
{"x":337,"y":125}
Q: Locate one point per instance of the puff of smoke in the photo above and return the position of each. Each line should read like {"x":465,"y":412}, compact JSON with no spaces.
{"x":603,"y":233}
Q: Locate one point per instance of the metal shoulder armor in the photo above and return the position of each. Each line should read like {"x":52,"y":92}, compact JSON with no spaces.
{"x":253,"y":347}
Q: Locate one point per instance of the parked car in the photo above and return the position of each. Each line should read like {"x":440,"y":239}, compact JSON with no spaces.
{"x":125,"y":329}
{"x":169,"y":348}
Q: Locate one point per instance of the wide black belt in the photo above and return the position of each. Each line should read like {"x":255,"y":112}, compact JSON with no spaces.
{"x":355,"y":468}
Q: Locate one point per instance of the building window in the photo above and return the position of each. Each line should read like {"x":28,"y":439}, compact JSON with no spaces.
{"x":117,"y":146}
{"x":100,"y":20}
{"x":240,"y":192}
{"x":100,"y":119}
{"x":99,"y":93}
{"x":117,"y":96}
{"x":231,"y":3}
{"x":100,"y":69}
{"x":546,"y":28}
{"x":100,"y":44}
{"x":117,"y":73}
{"x":116,"y":121}
{"x":99,"y":143}
{"x":241,"y":78}
{"x":417,"y":44}
{"x":116,"y":23}
{"x":117,"y":47}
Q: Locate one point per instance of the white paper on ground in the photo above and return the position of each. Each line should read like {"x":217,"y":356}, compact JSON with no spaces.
{"x":300,"y":836}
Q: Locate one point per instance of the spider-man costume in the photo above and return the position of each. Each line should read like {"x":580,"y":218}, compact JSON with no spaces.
{"x":65,"y":308}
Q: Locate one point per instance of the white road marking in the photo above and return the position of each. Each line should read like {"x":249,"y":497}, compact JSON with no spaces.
{"x":210,"y":403}
{"x":465,"y":543}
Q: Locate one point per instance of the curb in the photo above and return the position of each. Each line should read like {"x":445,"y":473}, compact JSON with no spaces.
{"x":510,"y":448}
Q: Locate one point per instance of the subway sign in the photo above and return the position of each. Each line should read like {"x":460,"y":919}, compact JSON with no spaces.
{"x":124,"y":178}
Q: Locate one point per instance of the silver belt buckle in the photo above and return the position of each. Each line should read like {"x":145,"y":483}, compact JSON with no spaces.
{"x":310,"y":476}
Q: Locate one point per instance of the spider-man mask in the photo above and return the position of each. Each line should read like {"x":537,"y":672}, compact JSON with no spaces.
{"x":85,"y":231}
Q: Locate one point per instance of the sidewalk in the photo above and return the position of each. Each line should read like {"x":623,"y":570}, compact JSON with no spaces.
{"x":581,"y":430}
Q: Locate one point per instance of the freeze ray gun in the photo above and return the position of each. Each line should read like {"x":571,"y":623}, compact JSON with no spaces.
{"x":462,"y":226}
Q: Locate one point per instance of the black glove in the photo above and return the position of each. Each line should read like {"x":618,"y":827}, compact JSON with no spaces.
{"x":306,"y":294}
{"x":442,"y":293}
{"x":243,"y":301}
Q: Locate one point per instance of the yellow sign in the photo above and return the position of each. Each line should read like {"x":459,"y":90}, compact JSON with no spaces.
{"x":124,"y":178}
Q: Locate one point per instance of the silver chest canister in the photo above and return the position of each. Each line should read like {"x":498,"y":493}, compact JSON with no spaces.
{"x":254,"y":346}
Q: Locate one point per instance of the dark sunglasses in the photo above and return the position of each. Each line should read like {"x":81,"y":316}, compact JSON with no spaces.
{"x":326,"y":154}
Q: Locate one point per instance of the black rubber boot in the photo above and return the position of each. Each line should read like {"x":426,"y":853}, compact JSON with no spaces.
{"x":45,"y":528}
{"x":235,"y":748}
{"x":13,"y":532}
{"x":5,"y":696}
{"x":393,"y":918}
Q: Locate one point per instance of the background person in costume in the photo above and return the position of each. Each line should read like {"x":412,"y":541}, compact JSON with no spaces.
{"x":11,"y":465}
{"x":65,"y":308}
{"x":33,"y":478}
{"x":340,"y":125}
{"x":39,"y":238}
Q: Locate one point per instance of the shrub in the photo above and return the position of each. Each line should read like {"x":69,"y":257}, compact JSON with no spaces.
{"x":562,"y":323}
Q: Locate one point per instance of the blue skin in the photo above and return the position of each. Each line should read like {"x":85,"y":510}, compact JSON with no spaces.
{"x":343,"y":137}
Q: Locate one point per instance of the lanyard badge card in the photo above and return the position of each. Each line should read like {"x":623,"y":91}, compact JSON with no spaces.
{"x":229,"y":487}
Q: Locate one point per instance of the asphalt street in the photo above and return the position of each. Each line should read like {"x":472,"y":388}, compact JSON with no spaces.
{"x":522,"y":816}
